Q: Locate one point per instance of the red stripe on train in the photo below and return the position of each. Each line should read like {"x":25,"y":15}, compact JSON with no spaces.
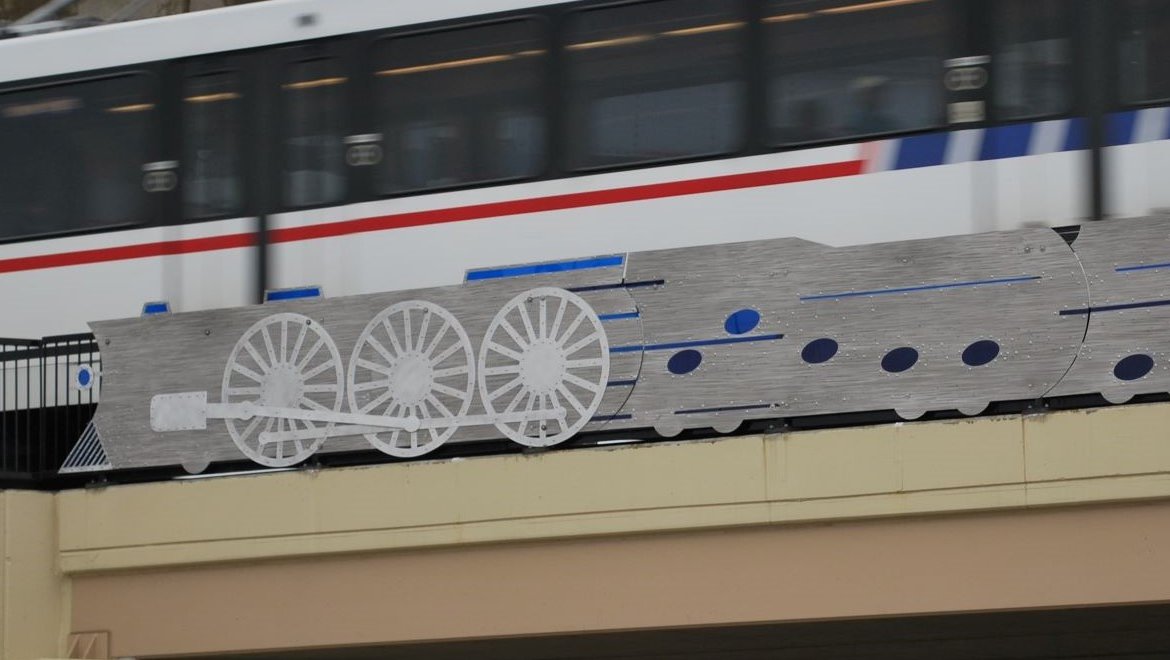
{"x":439,"y":216}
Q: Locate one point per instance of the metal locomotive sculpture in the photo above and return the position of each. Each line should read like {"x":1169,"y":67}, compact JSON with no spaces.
{"x":673,"y":339}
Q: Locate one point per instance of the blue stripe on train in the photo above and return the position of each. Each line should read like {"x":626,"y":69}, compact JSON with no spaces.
{"x":540,"y":269}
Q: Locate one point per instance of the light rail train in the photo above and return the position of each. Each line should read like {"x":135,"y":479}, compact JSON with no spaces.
{"x":374,"y":145}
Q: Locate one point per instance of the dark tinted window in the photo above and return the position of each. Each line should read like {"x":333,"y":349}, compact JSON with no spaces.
{"x":1144,"y":50}
{"x":461,"y":106}
{"x":212,"y":166}
{"x":71,"y":155}
{"x":654,"y":80}
{"x":313,"y":108}
{"x":839,"y":69}
{"x":1032,"y":58}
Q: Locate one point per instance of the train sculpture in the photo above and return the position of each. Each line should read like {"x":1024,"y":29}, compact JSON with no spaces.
{"x":701,"y":337}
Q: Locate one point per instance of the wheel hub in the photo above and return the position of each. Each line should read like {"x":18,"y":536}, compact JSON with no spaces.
{"x":282,"y":387}
{"x":412,"y":379}
{"x":543,"y":366}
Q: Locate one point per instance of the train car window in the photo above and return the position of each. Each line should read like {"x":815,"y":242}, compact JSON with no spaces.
{"x":314,"y":124}
{"x":1144,"y":50}
{"x":461,"y":106}
{"x":654,"y":81}
{"x":1033,"y":57}
{"x":842,"y":69}
{"x":212,"y":165}
{"x":72,"y":155}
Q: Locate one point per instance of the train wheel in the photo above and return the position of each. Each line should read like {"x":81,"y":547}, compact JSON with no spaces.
{"x":545,"y":350}
{"x":286,"y":361}
{"x":413,"y":358}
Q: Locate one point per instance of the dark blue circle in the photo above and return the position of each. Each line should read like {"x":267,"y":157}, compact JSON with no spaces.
{"x":83,"y":377}
{"x":742,"y":322}
{"x":980,"y":353}
{"x":819,"y":350}
{"x":684,"y":362}
{"x":900,"y":359}
{"x":1133,"y":367}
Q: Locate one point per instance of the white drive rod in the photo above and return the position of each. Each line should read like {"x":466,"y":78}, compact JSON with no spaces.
{"x":430,"y":423}
{"x":248,"y":410}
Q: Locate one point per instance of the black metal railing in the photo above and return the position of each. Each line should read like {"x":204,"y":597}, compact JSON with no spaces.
{"x":44,"y":405}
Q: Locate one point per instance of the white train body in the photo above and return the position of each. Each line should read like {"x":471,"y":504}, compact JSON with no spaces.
{"x":953,"y":179}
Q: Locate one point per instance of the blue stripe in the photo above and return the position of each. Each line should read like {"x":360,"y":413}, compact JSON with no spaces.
{"x":698,"y":411}
{"x":1115,"y":308}
{"x":922,"y":151}
{"x":1006,"y":142}
{"x":929,"y":287}
{"x":1075,"y":139}
{"x":1130,"y":269}
{"x":620,"y":285}
{"x":616,"y":317}
{"x":621,"y":383}
{"x":610,"y":418}
{"x":539,"y":269}
{"x":1119,"y":128}
{"x":292,"y":294}
{"x":691,"y":344}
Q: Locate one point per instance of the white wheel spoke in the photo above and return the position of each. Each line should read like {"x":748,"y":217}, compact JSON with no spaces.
{"x":421,"y":339}
{"x":423,"y":413}
{"x":264,"y":366}
{"x":268,"y":345}
{"x":306,"y":402}
{"x":504,"y":350}
{"x":296,"y":349}
{"x":284,"y":340}
{"x":556,"y":326}
{"x":310,"y":354}
{"x":568,"y":333}
{"x":582,"y":383}
{"x":555,"y":402}
{"x":582,"y":364}
{"x":527,"y":409}
{"x":406,"y":329}
{"x":243,"y":391}
{"x":542,"y":318}
{"x":389,"y":357}
{"x":317,"y":370}
{"x":516,"y":400}
{"x":320,"y":388}
{"x":392,"y":335}
{"x":374,"y":366}
{"x":453,"y":371}
{"x":573,"y":401}
{"x":250,"y":427}
{"x":372,"y":385}
{"x":502,"y":371}
{"x":513,"y":333}
{"x":382,"y":398}
{"x":577,"y":346}
{"x":442,"y":332}
{"x":438,"y":405}
{"x":244,"y":371}
{"x":512,"y":384}
{"x":527,"y":322}
{"x":448,"y":352}
{"x":449,"y":391}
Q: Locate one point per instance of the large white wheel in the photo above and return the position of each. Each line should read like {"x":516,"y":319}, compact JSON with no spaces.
{"x":286,"y":361}
{"x":413,"y":358}
{"x":545,"y":350}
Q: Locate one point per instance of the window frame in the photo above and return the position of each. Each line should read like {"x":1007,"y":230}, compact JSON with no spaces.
{"x":745,"y":77}
{"x":155,"y":143}
{"x":548,"y":80}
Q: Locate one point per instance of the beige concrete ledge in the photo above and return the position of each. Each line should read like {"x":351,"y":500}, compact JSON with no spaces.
{"x":1108,"y":455}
